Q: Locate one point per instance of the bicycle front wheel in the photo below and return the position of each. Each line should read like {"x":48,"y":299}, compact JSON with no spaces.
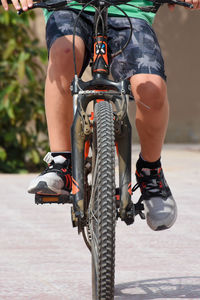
{"x":102,"y":208}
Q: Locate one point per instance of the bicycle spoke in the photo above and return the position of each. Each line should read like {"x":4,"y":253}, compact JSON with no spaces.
{"x":93,"y":216}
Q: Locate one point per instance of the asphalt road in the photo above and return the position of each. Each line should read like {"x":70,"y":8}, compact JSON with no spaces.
{"x":42,"y":257}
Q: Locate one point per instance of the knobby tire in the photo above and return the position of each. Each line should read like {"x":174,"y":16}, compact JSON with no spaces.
{"x":102,"y":209}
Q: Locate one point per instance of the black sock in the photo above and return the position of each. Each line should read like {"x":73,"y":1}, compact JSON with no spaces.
{"x":141,"y":163}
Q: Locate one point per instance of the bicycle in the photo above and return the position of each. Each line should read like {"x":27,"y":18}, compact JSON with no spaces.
{"x":96,"y":137}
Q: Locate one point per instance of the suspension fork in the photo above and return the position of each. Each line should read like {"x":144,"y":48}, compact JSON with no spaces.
{"x":124,"y":142}
{"x":78,"y":130}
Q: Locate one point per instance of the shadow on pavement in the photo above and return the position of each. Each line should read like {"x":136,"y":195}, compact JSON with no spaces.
{"x":163,"y":288}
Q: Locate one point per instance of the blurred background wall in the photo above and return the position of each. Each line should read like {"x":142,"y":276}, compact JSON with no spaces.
{"x":180,"y":42}
{"x":179,"y":37}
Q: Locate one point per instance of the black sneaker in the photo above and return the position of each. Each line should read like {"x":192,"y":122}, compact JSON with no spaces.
{"x":56,"y":179}
{"x":160,"y":206}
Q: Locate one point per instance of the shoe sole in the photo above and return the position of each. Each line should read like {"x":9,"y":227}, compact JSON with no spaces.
{"x":43,"y":189}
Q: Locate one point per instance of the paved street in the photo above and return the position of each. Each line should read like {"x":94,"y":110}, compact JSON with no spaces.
{"x":43,"y":258}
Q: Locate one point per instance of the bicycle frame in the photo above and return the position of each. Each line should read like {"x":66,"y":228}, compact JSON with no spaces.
{"x":100,"y":88}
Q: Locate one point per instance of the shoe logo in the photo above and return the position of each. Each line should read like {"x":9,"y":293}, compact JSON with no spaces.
{"x":75,"y":187}
{"x":68,"y":181}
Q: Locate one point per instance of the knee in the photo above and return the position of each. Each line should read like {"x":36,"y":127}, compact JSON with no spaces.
{"x":60,"y":53}
{"x":150,"y":91}
{"x":61,"y":57}
{"x":60,"y":70}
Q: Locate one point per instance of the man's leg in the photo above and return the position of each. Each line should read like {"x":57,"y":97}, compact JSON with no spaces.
{"x":56,"y":179}
{"x":152,"y":111}
{"x":58,"y":99}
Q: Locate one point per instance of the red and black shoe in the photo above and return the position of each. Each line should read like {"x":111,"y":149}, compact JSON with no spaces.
{"x":159,"y":204}
{"x":56,"y":178}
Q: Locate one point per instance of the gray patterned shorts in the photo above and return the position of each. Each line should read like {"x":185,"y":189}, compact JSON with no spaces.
{"x":142,"y":55}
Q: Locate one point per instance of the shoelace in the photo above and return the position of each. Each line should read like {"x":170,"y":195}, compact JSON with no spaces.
{"x":151,"y":186}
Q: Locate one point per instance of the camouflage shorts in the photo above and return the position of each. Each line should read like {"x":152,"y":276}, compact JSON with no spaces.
{"x":142,"y":55}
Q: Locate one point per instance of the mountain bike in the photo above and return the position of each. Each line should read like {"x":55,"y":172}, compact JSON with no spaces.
{"x":97,"y":139}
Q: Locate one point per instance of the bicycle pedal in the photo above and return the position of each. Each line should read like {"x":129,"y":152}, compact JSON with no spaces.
{"x":139,"y":208}
{"x":49,"y":199}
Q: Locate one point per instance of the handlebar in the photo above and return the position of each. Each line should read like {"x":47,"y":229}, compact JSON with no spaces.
{"x":52,"y":5}
{"x":173,"y":2}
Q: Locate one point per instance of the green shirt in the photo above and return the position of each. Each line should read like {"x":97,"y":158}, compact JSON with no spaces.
{"x":113,"y":11}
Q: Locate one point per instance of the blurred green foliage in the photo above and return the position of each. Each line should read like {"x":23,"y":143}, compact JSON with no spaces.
{"x":23,"y":133}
